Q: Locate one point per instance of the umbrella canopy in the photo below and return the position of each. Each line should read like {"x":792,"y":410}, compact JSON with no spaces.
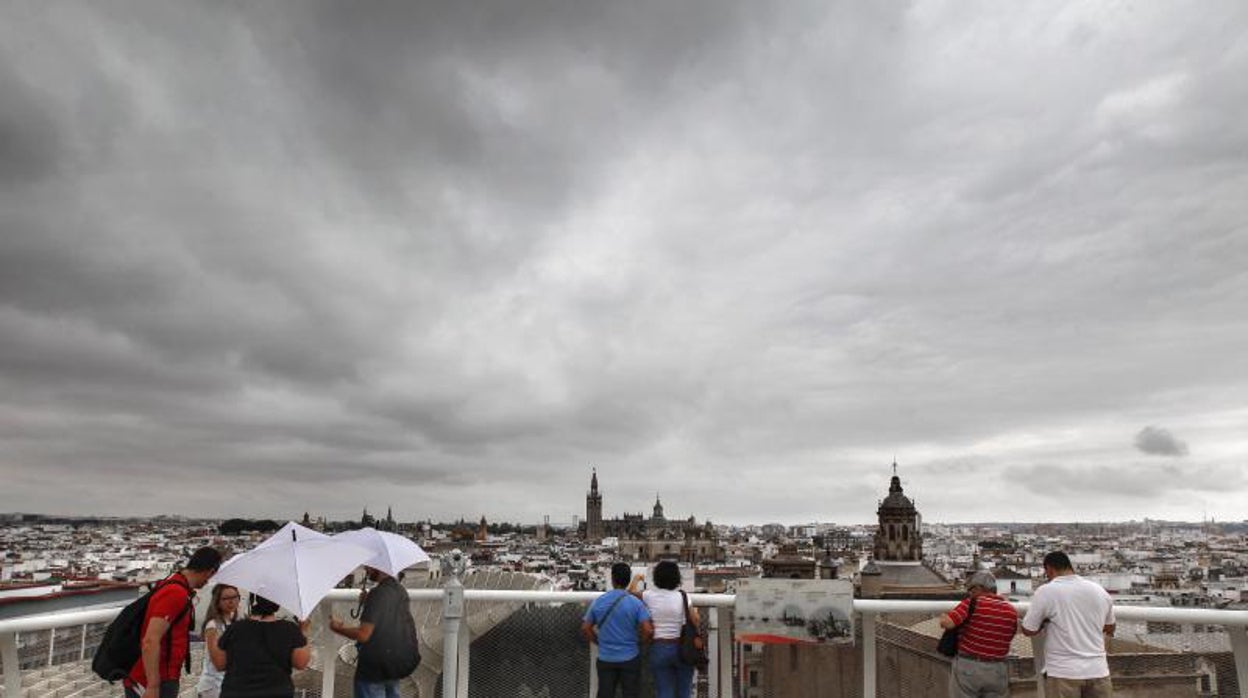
{"x":392,"y":553}
{"x":295,"y":568}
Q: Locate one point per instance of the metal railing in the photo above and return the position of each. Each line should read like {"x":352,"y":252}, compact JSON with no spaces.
{"x":456,"y":643}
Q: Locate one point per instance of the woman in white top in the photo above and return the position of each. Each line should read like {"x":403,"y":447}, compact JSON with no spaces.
{"x":222,"y":611}
{"x":672,"y":677}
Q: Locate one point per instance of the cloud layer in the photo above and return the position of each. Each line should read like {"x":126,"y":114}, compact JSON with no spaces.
{"x":303,"y":256}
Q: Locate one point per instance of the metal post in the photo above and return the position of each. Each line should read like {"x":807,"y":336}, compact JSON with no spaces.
{"x":1239,"y":645}
{"x":868,"y":655}
{"x":723,"y":651}
{"x":593,"y":669}
{"x":465,"y":642}
{"x":51,"y":644}
{"x":82,"y":646}
{"x":1037,"y":654}
{"x":711,"y":616}
{"x":12,"y":670}
{"x":328,"y":650}
{"x":453,"y":566}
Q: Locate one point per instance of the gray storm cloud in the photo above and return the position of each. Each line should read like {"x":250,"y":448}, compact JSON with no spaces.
{"x":1157,"y":441}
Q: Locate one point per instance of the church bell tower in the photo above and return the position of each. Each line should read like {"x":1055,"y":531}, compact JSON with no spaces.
{"x":898,"y":538}
{"x":593,"y":510}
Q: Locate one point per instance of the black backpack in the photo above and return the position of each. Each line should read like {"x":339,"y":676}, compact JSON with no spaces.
{"x":393,"y":651}
{"x":121,"y":647}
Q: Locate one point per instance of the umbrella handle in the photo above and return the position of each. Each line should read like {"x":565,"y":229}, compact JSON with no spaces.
{"x":359,"y":607}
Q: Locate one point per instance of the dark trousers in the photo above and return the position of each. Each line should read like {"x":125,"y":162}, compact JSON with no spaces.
{"x":168,"y":689}
{"x":626,"y":675}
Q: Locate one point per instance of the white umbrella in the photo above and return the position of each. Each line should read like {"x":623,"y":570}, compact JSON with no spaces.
{"x":295,"y":568}
{"x":392,"y":553}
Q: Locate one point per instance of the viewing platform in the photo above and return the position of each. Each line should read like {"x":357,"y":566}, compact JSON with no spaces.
{"x":525,"y":642}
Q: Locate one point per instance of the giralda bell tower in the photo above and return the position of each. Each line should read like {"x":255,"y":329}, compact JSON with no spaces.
{"x":593,"y":510}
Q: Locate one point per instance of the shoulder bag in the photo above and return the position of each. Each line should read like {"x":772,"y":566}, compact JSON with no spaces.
{"x":692,"y":646}
{"x":948,"y":644}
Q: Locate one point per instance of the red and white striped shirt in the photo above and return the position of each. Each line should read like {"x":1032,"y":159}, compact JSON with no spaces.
{"x":990,"y":628}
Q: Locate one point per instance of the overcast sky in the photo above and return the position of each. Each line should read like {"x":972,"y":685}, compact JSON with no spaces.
{"x":262,"y":258}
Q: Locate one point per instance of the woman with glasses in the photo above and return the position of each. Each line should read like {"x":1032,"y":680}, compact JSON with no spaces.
{"x":221,"y":612}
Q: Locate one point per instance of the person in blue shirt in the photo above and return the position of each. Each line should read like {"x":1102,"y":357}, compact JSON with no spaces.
{"x":618,"y":622}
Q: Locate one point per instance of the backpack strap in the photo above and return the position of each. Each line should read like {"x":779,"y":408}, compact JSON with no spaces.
{"x":190,"y":605}
{"x":611,"y":608}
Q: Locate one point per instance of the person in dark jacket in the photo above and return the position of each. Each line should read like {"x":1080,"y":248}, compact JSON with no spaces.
{"x":385,"y":638}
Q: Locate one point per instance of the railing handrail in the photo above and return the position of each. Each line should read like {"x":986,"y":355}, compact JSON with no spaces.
{"x":1207,"y":616}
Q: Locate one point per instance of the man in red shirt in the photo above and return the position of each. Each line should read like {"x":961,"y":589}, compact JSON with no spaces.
{"x":983,"y":641}
{"x":167,"y":627}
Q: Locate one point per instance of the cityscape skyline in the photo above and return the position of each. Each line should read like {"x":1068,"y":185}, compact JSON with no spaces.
{"x":745,"y":256}
{"x":568,"y":524}
{"x":581,"y":517}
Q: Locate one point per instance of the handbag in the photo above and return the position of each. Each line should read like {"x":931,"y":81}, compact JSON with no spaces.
{"x":948,"y":644}
{"x":692,"y":646}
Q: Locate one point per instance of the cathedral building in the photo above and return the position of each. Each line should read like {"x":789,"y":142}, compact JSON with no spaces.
{"x":652,"y":538}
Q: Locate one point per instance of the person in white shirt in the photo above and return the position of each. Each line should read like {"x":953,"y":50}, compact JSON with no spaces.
{"x":672,"y":677}
{"x":1076,"y":616}
{"x":222,"y":611}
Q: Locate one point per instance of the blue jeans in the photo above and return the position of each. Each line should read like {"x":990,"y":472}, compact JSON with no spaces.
{"x":672,"y":677}
{"x":376,"y":689}
{"x":625,"y":675}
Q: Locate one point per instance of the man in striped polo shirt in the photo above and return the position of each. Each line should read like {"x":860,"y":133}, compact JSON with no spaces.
{"x":983,"y":641}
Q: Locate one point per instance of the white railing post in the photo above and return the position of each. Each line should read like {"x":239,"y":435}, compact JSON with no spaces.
{"x":463,"y":673}
{"x":593,"y":669}
{"x":1239,"y":645}
{"x":453,"y":567}
{"x":328,"y":650}
{"x":82,"y":646}
{"x":51,"y":644}
{"x":12,"y":670}
{"x":868,"y":655}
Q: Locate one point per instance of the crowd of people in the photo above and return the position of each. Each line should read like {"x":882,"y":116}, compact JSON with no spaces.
{"x":1075,"y":614}
{"x":253,"y":655}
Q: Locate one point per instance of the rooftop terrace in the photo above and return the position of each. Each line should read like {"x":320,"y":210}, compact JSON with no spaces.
{"x":518,"y":641}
